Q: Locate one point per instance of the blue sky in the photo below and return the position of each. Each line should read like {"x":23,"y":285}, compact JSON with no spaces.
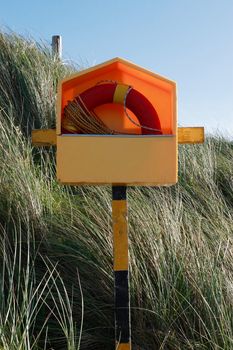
{"x":188,"y":41}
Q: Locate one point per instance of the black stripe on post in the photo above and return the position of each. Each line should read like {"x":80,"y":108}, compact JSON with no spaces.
{"x":122,"y":315}
{"x":119,"y":192}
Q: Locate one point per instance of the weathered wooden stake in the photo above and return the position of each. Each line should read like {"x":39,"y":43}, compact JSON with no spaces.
{"x":121,"y":268}
{"x":57,"y":45}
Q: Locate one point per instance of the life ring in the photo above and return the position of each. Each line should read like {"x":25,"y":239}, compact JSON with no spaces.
{"x":129,"y":97}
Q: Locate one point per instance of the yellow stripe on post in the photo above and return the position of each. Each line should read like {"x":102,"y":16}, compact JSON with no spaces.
{"x":120,"y":93}
{"x":120,"y":235}
{"x":123,"y":346}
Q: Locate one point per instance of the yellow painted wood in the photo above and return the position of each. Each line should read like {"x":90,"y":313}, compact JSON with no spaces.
{"x":123,"y":346}
{"x":191,"y":135}
{"x":58,"y":108}
{"x":44,"y":137}
{"x":120,"y":235}
{"x":47,"y":137}
{"x":117,"y":159}
{"x":120,"y":93}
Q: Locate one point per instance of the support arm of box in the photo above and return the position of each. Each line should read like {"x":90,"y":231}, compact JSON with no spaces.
{"x":44,"y":137}
{"x":48,"y":137}
{"x":191,"y":135}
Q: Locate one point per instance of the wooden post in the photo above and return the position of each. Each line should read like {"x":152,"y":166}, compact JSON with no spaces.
{"x":57,"y":45}
{"x":121,"y":268}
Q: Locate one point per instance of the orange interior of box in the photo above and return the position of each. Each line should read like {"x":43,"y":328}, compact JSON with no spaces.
{"x":159,"y":91}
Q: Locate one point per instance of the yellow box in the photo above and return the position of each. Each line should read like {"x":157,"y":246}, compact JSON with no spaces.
{"x":125,"y":159}
{"x":117,"y":159}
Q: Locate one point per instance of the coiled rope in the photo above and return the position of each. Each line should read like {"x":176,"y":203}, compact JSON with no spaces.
{"x":78,"y":119}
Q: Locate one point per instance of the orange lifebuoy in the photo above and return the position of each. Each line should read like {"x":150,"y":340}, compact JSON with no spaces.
{"x":125,"y":95}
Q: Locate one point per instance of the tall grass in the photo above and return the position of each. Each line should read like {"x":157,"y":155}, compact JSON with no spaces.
{"x":56,"y":242}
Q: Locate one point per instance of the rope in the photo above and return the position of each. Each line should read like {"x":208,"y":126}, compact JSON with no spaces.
{"x":125,"y":108}
{"x":82,"y":120}
{"x":78,"y":119}
{"x":128,"y":116}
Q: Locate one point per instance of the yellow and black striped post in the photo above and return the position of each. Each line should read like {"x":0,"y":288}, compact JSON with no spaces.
{"x":121,"y":268}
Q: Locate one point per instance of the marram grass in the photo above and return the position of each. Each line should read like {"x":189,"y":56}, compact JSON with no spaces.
{"x":56,"y":241}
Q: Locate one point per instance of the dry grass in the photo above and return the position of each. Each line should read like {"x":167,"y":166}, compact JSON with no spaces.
{"x":56,"y":242}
